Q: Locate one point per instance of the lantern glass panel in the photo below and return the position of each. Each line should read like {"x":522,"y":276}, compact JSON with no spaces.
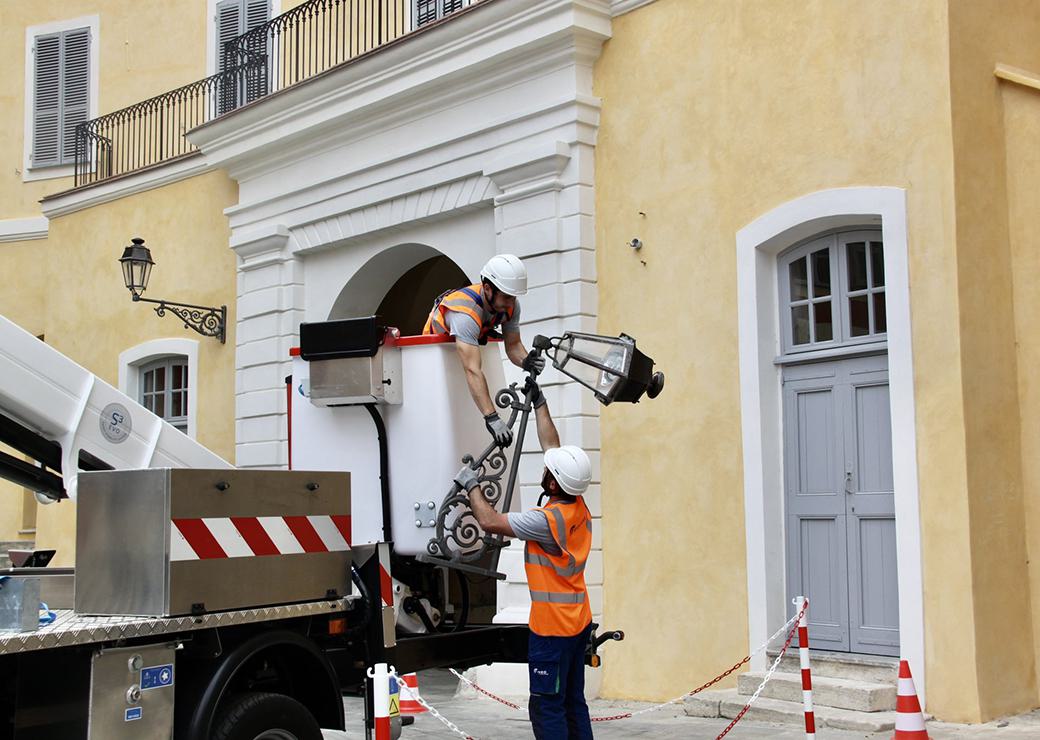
{"x":589,"y":359}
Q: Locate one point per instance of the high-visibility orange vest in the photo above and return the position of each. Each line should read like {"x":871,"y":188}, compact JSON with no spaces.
{"x":559,"y":599}
{"x":470,"y":301}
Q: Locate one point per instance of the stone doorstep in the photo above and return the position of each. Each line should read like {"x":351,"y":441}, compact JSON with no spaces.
{"x":840,"y":693}
{"x":851,"y":666}
{"x":727,"y":703}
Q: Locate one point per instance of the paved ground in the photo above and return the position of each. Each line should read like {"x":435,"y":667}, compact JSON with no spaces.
{"x":488,"y":720}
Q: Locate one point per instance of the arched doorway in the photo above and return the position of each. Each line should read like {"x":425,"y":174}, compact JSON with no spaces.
{"x":758,"y":244}
{"x":399,"y":285}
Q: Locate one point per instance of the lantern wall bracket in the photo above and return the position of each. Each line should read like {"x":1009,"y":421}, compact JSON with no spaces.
{"x":206,"y":320}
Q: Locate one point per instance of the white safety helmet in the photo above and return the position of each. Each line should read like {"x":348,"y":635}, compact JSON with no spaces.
{"x":507,"y":273}
{"x":570,"y":467}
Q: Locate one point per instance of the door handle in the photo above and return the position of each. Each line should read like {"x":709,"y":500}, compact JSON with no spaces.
{"x":848,"y":481}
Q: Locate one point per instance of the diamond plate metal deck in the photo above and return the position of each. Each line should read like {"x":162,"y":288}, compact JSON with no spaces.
{"x":71,"y":629}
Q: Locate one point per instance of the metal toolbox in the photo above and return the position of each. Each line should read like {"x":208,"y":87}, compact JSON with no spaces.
{"x":166,"y":542}
{"x":131,"y":693}
{"x":352,"y":361}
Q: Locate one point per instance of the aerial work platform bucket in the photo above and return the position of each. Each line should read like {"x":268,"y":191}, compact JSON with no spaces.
{"x":418,"y":388}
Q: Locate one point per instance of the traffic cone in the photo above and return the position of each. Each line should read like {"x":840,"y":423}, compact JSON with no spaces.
{"x":409,"y":696}
{"x":909,"y":719}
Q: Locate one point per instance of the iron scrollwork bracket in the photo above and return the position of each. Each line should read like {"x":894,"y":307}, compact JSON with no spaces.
{"x":458,"y":541}
{"x":206,"y":320}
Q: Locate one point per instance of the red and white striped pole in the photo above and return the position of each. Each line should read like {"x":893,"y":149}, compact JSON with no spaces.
{"x":380,"y":678}
{"x":803,"y":654}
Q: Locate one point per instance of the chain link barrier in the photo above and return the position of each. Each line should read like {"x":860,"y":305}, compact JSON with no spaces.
{"x":414,"y":695}
{"x":769,"y":673}
{"x":791,"y":627}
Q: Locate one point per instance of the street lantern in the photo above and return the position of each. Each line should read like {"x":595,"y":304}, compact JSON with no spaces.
{"x":137,"y":267}
{"x":611,"y":367}
{"x":137,"y":264}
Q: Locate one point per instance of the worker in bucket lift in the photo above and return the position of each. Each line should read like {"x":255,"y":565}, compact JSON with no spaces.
{"x":558,"y":539}
{"x":470,"y":314}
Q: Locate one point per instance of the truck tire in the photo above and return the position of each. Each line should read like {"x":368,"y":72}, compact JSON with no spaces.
{"x":265,"y":716}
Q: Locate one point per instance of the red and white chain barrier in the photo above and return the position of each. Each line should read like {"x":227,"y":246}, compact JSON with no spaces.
{"x":792,"y":626}
{"x":413,"y":695}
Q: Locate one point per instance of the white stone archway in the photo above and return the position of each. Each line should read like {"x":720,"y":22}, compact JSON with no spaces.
{"x":758,"y":245}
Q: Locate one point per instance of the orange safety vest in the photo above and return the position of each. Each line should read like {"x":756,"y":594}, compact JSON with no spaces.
{"x":470,"y":301}
{"x":559,"y":600}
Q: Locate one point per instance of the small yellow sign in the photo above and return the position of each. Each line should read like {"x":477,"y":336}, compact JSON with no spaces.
{"x":395,"y":705}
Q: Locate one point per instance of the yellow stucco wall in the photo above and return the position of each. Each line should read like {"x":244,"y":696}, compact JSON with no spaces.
{"x":74,"y":295}
{"x":979,"y":39}
{"x":715,"y":113}
{"x":1021,"y":113}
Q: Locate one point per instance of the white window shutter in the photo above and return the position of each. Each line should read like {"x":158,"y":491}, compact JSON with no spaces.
{"x":258,"y":12}
{"x":229,"y":25}
{"x":425,"y":12}
{"x":75,"y":88}
{"x":46,"y":134}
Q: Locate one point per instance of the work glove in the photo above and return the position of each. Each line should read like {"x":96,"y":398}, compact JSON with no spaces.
{"x":534,"y":363}
{"x":467,"y":478}
{"x":537,"y":397}
{"x":497,"y":428}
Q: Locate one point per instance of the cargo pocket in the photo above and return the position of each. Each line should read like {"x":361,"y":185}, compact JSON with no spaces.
{"x":543,"y":660}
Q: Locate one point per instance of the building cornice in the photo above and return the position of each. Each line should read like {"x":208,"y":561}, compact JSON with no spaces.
{"x":164,"y":173}
{"x":620,"y":7}
{"x":23,"y":229}
{"x":487,"y":48}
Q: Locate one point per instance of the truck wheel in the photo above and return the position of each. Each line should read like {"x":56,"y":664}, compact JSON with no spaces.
{"x":263,"y":716}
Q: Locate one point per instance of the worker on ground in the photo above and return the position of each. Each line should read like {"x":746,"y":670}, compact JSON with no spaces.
{"x":470,"y":314}
{"x":558,"y":539}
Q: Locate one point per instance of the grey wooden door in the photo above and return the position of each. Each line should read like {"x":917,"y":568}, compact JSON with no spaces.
{"x":839,"y":502}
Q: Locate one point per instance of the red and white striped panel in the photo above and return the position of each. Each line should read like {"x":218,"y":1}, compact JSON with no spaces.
{"x":251,"y":536}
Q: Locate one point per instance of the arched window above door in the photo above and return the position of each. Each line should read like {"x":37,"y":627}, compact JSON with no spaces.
{"x":832,"y":292}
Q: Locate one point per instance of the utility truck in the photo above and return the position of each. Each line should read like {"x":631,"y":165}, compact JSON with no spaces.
{"x":214,"y":603}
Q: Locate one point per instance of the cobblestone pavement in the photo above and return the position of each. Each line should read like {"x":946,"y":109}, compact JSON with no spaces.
{"x":485,"y":719}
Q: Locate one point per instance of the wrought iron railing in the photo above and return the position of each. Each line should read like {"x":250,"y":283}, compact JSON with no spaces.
{"x":152,"y":131}
{"x":319,"y":35}
{"x":303,"y":42}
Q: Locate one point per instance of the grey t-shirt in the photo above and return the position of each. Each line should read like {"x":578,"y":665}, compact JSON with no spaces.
{"x":465,"y":330}
{"x":534,"y":525}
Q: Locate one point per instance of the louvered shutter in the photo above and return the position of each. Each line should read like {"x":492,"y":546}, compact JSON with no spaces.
{"x":46,"y":149}
{"x":425,"y":12}
{"x":257,"y":13}
{"x":229,"y":24}
{"x":75,"y":88}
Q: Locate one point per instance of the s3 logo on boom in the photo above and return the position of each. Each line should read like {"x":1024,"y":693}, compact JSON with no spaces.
{"x":115,"y":422}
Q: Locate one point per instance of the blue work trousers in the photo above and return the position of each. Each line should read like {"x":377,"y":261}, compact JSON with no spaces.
{"x":557,"y":671}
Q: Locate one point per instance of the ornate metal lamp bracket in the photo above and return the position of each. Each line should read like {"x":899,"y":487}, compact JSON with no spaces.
{"x":206,"y":320}
{"x":458,"y":541}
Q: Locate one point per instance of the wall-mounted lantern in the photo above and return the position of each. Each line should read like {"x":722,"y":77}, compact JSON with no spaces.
{"x":137,"y":266}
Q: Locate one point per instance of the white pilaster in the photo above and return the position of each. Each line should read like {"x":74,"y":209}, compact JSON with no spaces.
{"x":270,"y":308}
{"x":544,"y":187}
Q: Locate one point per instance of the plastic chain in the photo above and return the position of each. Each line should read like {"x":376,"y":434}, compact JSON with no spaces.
{"x":791,"y":625}
{"x":416,"y":697}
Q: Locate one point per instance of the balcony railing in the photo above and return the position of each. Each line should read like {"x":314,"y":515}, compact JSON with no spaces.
{"x":152,"y":131}
{"x":290,"y":48}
